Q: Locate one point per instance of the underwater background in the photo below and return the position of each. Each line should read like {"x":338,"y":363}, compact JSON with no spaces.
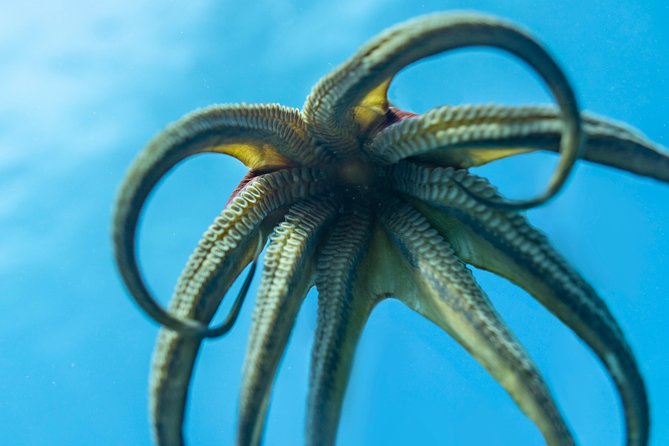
{"x":84,"y":85}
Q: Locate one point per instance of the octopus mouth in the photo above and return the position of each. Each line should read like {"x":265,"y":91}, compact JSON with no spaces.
{"x":392,"y":116}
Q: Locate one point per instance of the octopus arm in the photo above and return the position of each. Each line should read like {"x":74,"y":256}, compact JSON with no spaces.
{"x":474,"y":135}
{"x":343,"y":309}
{"x":287,"y":276}
{"x":504,"y":243}
{"x":445,"y":292}
{"x":264,"y":137}
{"x":350,"y":103}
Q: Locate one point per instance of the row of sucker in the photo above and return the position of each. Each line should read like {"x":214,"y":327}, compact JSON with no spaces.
{"x":450,"y":296}
{"x":210,"y":271}
{"x":261,"y":197}
{"x":498,"y":127}
{"x":287,"y":276}
{"x":342,"y":313}
{"x":523,"y":255}
{"x":267,"y":126}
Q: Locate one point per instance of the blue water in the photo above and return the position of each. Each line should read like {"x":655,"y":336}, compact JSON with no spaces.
{"x":83,"y":86}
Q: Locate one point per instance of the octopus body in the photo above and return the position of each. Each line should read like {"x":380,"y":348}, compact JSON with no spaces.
{"x":365,"y":201}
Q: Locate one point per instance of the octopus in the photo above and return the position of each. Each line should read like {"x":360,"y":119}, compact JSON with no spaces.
{"x":364,"y":201}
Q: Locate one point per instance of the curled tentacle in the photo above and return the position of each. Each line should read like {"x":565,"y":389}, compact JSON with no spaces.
{"x":343,"y":309}
{"x":444,"y":291}
{"x":504,"y":243}
{"x":287,"y":276}
{"x":230,"y":320}
{"x":330,"y":108}
{"x":473,"y":135}
{"x":262,"y":136}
